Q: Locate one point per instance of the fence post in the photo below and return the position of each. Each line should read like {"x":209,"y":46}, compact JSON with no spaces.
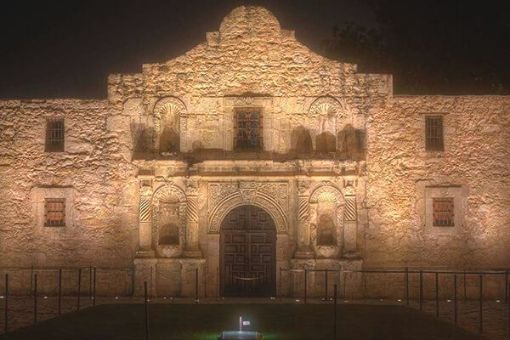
{"x":6,"y":306}
{"x":455,"y":315}
{"x":506,"y":286}
{"x":407,"y":285}
{"x":90,"y":282}
{"x":79,"y":289}
{"x":437,"y":294}
{"x":146,"y":310}
{"x":196,"y":285}
{"x":279,"y":283}
{"x":35,"y":299}
{"x":481,"y":304}
{"x":59,"y":298}
{"x":94,"y":288}
{"x":326,"y":285}
{"x":306,"y":277}
{"x":465,"y":289}
{"x":421,"y":290}
{"x":334,"y":310}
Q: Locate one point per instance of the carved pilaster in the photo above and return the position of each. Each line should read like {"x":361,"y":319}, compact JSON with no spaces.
{"x":145,"y":221}
{"x":304,"y":249}
{"x":192,"y":248}
{"x":350,"y":227}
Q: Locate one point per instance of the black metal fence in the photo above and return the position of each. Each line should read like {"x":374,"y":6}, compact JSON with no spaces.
{"x":425,"y":289}
{"x":76,"y":286}
{"x":417,"y":287}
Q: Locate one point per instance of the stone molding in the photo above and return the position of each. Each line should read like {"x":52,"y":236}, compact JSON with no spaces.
{"x":270,"y":196}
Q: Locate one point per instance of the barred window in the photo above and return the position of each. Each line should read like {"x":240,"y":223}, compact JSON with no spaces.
{"x":443,"y":214}
{"x":248,"y":128}
{"x":54,"y":212}
{"x":54,"y":135}
{"x":434,"y":133}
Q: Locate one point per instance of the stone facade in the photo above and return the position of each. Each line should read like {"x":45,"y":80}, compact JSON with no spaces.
{"x":150,"y":174}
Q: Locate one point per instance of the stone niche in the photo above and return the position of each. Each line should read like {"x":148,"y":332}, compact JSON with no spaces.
{"x":326,"y":221}
{"x":167,"y":125}
{"x":169,"y":221}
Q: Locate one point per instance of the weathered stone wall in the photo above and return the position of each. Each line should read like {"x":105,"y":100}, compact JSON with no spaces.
{"x":154,"y":125}
{"x":476,"y":160}
{"x":90,"y":174}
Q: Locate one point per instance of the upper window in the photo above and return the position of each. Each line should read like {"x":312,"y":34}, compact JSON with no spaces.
{"x":434,"y":133}
{"x":248,"y":128}
{"x":442,"y":211}
{"x":54,"y":212}
{"x":54,"y":135}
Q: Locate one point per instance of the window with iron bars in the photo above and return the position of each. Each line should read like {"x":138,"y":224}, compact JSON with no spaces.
{"x":443,"y":213}
{"x":54,"y":135}
{"x":434,"y":133}
{"x":248,"y":130}
{"x":54,"y":212}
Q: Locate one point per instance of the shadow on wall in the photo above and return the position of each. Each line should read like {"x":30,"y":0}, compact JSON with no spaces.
{"x":169,"y":140}
{"x":141,"y":138}
{"x":349,"y":144}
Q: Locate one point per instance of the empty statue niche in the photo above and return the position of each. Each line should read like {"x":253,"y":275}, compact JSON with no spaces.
{"x":325,"y":143}
{"x":326,"y":220}
{"x":168,"y":224}
{"x":169,"y":138}
{"x":141,"y":138}
{"x":351,"y":143}
{"x":301,"y":140}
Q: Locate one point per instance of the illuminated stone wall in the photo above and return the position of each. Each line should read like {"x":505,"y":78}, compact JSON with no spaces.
{"x":475,"y":164}
{"x":151,"y":171}
{"x":90,"y":174}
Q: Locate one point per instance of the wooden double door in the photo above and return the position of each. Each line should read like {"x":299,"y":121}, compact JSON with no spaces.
{"x":248,"y":253}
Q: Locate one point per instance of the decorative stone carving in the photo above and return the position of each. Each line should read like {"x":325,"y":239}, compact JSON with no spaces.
{"x":145,"y":204}
{"x":167,"y":114}
{"x":169,"y":200}
{"x":350,"y":208}
{"x":271,"y":196}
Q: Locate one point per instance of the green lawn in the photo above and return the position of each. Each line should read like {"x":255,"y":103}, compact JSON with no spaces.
{"x":275,"y":321}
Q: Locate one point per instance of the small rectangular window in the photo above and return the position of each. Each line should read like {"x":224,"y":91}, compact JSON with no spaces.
{"x":443,"y":213}
{"x":248,"y":128}
{"x":434,"y":133}
{"x":54,"y":135}
{"x":54,"y":212}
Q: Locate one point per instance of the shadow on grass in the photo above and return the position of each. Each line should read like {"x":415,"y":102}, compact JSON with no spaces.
{"x":278,"y":321}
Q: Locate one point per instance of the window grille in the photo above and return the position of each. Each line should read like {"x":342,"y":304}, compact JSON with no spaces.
{"x":54,"y":212}
{"x":248,"y":128}
{"x":434,"y":133}
{"x":443,"y":214}
{"x":54,"y":135}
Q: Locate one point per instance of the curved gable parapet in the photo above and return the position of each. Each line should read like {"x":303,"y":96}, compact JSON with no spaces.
{"x":249,"y":22}
{"x":251,"y":53}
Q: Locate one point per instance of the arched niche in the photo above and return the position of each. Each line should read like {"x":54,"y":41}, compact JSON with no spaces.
{"x":167,"y":120}
{"x":326,"y":211}
{"x":169,"y":220}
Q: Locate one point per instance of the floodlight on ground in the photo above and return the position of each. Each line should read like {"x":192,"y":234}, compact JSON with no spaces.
{"x":240,"y":335}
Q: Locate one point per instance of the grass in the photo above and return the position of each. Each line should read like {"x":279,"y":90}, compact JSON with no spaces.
{"x":275,"y":321}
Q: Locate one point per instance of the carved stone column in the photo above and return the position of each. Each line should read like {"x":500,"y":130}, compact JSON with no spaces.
{"x":145,"y":221}
{"x":350,"y":227}
{"x":304,"y":249}
{"x":191,"y":248}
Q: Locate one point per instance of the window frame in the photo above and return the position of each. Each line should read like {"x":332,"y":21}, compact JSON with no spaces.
{"x":260,"y":146}
{"x":443,"y":218}
{"x":55,"y":134}
{"x":434,"y":134}
{"x":59,"y":222}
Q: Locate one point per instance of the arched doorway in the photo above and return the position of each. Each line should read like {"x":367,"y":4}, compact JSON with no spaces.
{"x":248,"y":253}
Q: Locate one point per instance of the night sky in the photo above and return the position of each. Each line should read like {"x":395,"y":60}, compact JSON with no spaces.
{"x":60,"y":49}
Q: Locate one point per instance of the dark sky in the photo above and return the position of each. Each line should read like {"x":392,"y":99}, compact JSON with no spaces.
{"x":67,"y":48}
{"x":53,"y":49}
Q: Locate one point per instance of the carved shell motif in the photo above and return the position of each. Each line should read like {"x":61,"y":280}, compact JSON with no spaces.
{"x":168,"y":110}
{"x":328,"y":107}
